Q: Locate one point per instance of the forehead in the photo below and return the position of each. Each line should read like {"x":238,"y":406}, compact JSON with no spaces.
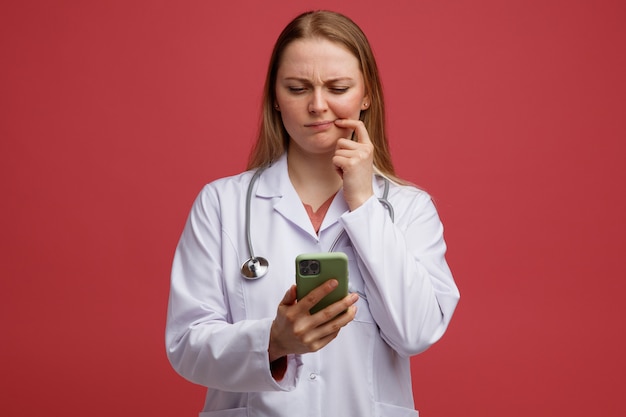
{"x":313,"y":56}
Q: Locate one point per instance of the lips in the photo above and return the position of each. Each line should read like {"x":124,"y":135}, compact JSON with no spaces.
{"x":320,"y":124}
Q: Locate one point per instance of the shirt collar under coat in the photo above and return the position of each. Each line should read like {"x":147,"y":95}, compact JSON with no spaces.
{"x":274,"y":183}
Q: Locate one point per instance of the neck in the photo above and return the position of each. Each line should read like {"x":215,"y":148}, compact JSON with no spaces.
{"x":314,"y":177}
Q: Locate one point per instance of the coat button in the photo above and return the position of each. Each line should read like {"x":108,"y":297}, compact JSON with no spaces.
{"x":312,"y":376}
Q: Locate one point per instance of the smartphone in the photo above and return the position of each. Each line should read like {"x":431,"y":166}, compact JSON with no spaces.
{"x":313,"y":269}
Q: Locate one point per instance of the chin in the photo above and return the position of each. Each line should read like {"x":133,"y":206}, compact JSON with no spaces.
{"x":313,"y":148}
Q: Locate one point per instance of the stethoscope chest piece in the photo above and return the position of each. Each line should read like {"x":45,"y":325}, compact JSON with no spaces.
{"x":254,"y":268}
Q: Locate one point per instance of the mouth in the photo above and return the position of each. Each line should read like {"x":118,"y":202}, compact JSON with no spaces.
{"x":320,"y":124}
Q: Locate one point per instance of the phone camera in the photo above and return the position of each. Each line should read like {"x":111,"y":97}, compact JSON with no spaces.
{"x":309,"y":267}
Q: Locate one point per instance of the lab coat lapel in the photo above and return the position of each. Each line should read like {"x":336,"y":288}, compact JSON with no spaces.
{"x":275,"y":183}
{"x":336,"y":209}
{"x":339,"y":206}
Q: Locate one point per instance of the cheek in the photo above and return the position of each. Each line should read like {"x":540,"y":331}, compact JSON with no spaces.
{"x":288,"y":117}
{"x":348,"y":107}
{"x":290,"y":108}
{"x":290,"y":122}
{"x":348,"y":111}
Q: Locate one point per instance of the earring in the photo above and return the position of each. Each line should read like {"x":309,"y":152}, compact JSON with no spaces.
{"x":276,"y":107}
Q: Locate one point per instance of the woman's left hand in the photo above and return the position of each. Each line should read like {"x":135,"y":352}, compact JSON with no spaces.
{"x":354,"y":160}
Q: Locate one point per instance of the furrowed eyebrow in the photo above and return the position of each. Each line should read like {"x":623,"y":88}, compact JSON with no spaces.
{"x":330,"y":81}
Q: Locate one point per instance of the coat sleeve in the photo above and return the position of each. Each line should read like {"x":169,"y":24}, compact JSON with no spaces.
{"x":202,"y":343}
{"x":408,"y":284}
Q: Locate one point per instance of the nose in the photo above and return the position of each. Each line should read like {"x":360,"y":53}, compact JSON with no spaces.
{"x":318,"y":102}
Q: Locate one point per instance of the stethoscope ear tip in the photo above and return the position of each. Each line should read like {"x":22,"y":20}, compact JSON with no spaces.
{"x":254,"y":268}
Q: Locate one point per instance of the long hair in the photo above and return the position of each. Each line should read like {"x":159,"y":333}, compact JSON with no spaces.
{"x":272,"y":138}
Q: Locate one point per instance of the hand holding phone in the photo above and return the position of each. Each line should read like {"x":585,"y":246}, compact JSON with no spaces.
{"x":294,"y":330}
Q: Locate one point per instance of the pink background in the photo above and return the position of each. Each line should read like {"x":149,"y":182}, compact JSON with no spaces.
{"x":511,"y":114}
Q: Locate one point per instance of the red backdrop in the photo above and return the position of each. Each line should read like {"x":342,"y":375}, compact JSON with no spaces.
{"x":510,"y":113}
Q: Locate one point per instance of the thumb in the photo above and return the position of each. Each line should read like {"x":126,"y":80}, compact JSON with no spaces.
{"x":290,"y":296}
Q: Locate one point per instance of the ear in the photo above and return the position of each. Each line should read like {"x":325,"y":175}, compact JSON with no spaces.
{"x":365,"y":103}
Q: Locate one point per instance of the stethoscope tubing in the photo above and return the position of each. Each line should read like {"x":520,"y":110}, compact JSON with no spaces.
{"x":253,"y":180}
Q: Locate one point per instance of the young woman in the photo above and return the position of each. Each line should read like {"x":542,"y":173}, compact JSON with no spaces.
{"x":320,"y":179}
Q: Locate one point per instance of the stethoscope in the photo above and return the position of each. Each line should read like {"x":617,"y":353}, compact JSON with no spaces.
{"x":256,"y":266}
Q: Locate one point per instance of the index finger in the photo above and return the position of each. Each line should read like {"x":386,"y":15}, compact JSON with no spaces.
{"x":358,"y":129}
{"x":309,"y":300}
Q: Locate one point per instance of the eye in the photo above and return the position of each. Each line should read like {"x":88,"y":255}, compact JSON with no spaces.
{"x":339,"y":90}
{"x":296,"y":90}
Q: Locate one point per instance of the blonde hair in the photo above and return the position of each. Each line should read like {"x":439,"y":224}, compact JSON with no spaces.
{"x":272,"y":138}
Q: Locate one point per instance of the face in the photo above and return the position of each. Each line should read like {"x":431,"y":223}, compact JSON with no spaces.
{"x":318,"y":82}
